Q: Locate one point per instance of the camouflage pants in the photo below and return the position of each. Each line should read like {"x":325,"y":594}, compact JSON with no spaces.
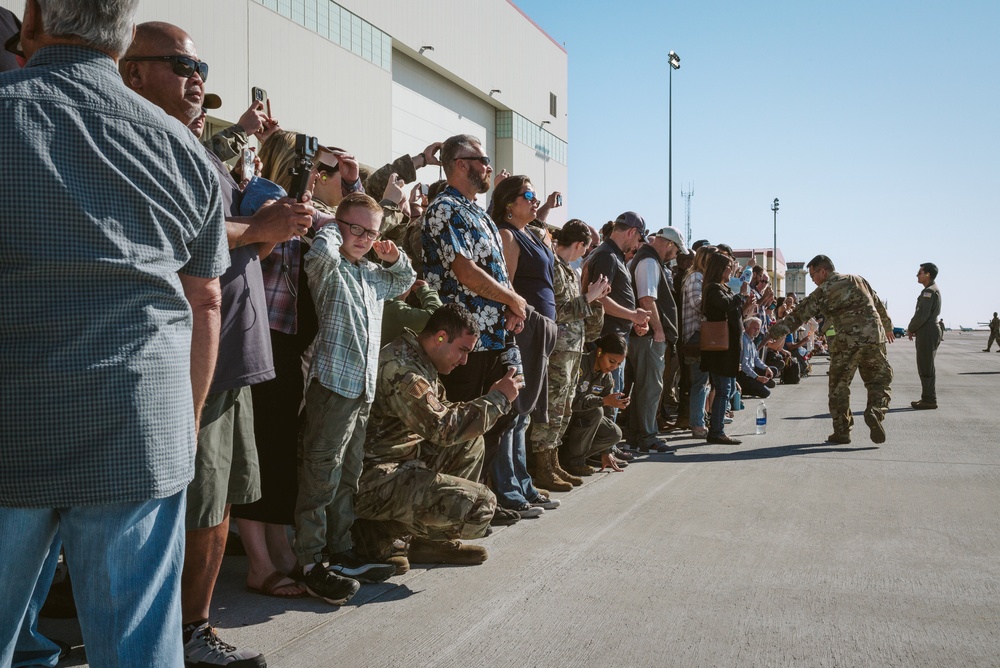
{"x":871,"y":362}
{"x":434,"y":497}
{"x":564,"y":370}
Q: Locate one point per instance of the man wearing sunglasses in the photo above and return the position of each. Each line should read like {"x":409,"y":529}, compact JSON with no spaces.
{"x":162,"y":66}
{"x":107,"y":359}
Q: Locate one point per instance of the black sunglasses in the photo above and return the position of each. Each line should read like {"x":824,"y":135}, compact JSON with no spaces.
{"x":485,"y":159}
{"x":13,"y":45}
{"x":183,"y":65}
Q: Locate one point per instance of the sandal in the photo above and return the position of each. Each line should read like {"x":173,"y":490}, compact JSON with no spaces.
{"x":273,"y":582}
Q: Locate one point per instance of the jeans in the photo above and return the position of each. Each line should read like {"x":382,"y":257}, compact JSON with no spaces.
{"x":125,"y":561}
{"x":723,"y":388}
{"x":509,"y":467}
{"x":699,"y":393}
{"x":618,"y":375}
{"x":32,"y":648}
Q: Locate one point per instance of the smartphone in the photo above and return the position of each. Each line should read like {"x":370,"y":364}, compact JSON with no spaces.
{"x":558,"y":200}
{"x":258,"y":94}
{"x":246,"y":164}
{"x":424,"y":189}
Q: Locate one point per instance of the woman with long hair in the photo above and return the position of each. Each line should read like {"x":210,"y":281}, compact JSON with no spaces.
{"x":719,"y":304}
{"x":691,"y":330}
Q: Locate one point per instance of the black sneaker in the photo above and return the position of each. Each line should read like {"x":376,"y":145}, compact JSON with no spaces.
{"x":327,"y":585}
{"x":351,"y":565}
{"x":205,"y":649}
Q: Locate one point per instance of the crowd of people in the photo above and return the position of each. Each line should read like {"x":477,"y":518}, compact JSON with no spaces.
{"x":377,"y":368}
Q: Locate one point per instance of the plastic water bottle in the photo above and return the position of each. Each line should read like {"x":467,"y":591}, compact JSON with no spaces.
{"x":762,"y":418}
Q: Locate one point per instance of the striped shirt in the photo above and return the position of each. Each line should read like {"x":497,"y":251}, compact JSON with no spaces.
{"x":348,"y":301}
{"x":105,"y":200}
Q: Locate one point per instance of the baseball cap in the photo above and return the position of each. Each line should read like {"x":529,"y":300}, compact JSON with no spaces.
{"x":632,"y":219}
{"x":672,"y":234}
{"x":211,"y":101}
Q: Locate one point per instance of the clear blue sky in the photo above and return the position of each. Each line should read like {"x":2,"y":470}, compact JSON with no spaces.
{"x":876,"y":124}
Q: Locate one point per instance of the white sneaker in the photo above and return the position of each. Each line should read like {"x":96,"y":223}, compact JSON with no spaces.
{"x":545,"y":502}
{"x":206,"y":649}
{"x":528,"y":510}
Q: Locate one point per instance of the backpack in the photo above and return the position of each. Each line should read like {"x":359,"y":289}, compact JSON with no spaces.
{"x":791,"y":375}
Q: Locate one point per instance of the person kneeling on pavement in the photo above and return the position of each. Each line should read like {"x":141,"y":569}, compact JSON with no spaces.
{"x":755,"y":377}
{"x":592,"y":433}
{"x":424,"y":454}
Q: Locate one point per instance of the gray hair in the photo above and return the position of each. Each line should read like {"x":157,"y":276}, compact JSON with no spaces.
{"x":750,"y":320}
{"x":102,"y":24}
{"x":452,"y":146}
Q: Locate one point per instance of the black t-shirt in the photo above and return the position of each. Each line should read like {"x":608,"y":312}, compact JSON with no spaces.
{"x":608,"y":259}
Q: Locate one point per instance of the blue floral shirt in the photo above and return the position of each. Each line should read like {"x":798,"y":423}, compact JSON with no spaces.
{"x":453,"y":226}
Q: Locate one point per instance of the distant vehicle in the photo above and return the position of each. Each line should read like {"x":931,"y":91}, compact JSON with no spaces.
{"x":898,"y":332}
{"x":966,"y":329}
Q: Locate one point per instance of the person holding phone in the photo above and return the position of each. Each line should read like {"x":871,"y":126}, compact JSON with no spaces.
{"x":592,"y":432}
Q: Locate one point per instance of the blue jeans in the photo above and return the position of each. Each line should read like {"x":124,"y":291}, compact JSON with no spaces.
{"x":724,"y":386}
{"x":509,"y":468}
{"x":32,"y":648}
{"x":699,"y":393}
{"x":125,"y":560}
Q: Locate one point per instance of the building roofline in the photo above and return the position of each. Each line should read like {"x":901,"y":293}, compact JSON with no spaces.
{"x":540,"y":29}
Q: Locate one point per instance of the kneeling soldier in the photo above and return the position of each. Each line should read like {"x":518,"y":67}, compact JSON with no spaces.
{"x":424,"y":454}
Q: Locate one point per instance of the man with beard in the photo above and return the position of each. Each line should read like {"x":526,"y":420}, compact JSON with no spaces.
{"x":463,"y":261}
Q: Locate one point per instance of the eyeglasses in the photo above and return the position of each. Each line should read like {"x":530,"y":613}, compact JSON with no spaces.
{"x":529,"y":195}
{"x":183,"y":65}
{"x":13,"y":45}
{"x":359,"y":231}
{"x":485,"y":159}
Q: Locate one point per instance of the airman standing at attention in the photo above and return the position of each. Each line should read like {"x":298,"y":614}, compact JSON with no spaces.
{"x":924,"y":326}
{"x":863,"y":327}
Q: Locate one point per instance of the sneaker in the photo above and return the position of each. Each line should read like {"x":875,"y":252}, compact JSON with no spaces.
{"x":329,"y":586}
{"x":724,"y":440}
{"x":923,"y":405}
{"x":351,"y":565}
{"x":545,"y":502}
{"x":425,"y":551}
{"x":621,"y":454}
{"x":206,"y":649}
{"x":527,"y":510}
{"x":503,"y":517}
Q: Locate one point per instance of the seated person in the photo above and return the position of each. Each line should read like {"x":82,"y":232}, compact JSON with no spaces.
{"x":591,"y":433}
{"x":423,"y":453}
{"x":754,"y":377}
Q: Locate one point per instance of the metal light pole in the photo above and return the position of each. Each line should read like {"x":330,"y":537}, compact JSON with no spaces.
{"x":675,"y":64}
{"x":774,"y":256}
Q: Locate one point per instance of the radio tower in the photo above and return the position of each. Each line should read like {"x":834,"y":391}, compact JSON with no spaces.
{"x":687,"y":195}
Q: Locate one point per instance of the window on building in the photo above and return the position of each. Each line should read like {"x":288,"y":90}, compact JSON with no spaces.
{"x":552,"y":105}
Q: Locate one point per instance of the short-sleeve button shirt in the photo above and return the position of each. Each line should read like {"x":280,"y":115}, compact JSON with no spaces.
{"x":453,"y":226}
{"x":105,"y":200}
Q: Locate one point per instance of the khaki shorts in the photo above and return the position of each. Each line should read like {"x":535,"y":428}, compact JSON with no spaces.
{"x":225,"y":466}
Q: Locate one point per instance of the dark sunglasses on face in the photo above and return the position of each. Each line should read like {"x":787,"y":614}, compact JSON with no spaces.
{"x":183,"y":66}
{"x":485,"y":159}
{"x":529,"y":195}
{"x":359,"y":231}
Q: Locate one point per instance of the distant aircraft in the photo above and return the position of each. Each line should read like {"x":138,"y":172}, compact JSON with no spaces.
{"x":967,"y":329}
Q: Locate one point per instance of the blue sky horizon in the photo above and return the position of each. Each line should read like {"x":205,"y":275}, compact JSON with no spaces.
{"x":875,"y":124}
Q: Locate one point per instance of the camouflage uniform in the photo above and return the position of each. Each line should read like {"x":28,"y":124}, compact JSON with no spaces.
{"x":423,"y":455}
{"x":859,"y":316}
{"x":572,"y":315}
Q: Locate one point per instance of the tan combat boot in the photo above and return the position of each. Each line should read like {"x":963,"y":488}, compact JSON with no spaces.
{"x":544,"y":475}
{"x":562,"y":473}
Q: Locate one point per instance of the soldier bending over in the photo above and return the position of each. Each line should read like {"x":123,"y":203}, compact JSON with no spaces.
{"x":424,"y":454}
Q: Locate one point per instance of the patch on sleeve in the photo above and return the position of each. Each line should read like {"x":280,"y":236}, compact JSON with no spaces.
{"x":597,"y":389}
{"x":927,"y":293}
{"x":419,"y":388}
{"x":584,"y":386}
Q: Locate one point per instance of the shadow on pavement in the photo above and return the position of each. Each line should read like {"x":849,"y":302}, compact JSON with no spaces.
{"x":758,"y":453}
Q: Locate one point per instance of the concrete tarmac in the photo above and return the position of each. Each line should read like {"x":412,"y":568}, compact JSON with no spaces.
{"x":783,"y":551}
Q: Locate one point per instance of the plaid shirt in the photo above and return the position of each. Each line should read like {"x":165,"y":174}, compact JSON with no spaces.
{"x":692,"y":305}
{"x":105,"y":200}
{"x":349,"y":305}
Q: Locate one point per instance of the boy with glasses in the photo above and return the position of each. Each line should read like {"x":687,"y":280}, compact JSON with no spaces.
{"x":348,"y":291}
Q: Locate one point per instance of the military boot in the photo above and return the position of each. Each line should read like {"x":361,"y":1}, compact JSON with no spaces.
{"x":545,"y":476}
{"x":426,"y":551}
{"x":576,"y":481}
{"x":583,"y":470}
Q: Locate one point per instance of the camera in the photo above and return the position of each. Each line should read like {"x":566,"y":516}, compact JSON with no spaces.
{"x":301,"y":169}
